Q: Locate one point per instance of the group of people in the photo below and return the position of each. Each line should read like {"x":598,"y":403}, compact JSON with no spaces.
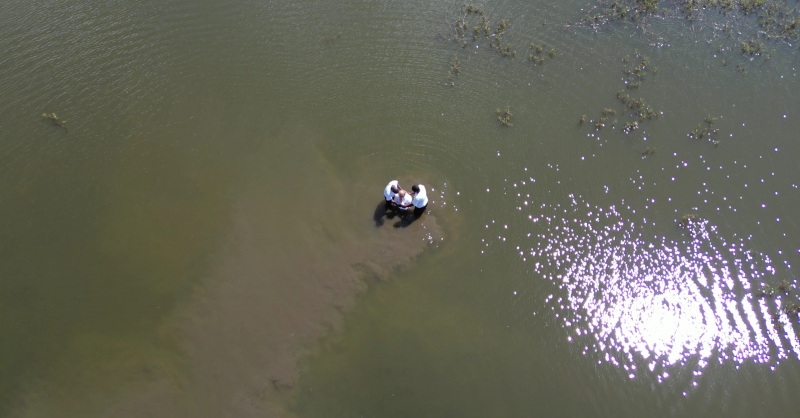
{"x":398,"y":198}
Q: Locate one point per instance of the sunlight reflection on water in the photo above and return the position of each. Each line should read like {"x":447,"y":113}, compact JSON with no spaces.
{"x":634,"y":293}
{"x":630,"y":293}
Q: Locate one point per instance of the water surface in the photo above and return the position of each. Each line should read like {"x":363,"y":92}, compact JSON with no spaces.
{"x":209,"y":216}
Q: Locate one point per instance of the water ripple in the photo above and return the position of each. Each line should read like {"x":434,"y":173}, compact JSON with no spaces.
{"x":632,"y":293}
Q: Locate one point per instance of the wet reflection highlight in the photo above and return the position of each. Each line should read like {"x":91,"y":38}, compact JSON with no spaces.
{"x":631,"y":293}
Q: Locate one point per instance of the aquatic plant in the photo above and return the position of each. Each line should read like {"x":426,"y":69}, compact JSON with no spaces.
{"x":740,"y":68}
{"x":784,"y":286}
{"x":471,"y":8}
{"x":687,"y":220}
{"x":504,"y":116}
{"x":535,"y":59}
{"x":600,"y":123}
{"x":582,"y":120}
{"x":776,"y":321}
{"x":455,"y":66}
{"x":637,"y":71}
{"x":708,"y":132}
{"x":751,"y":47}
{"x":648,"y":152}
{"x":791,"y":309}
{"x":502,"y":26}
{"x":53,"y":118}
{"x":552,"y":53}
{"x":766,"y":291}
{"x":630,"y":126}
{"x":749,"y":22}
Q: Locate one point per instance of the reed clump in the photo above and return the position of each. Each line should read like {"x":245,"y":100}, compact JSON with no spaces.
{"x":706,"y":132}
{"x":53,"y":118}
{"x":750,"y":23}
{"x":648,"y":152}
{"x":504,"y":116}
{"x":687,"y":220}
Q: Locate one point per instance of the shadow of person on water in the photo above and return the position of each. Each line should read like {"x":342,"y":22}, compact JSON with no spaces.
{"x":384,"y":209}
{"x":406,"y":219}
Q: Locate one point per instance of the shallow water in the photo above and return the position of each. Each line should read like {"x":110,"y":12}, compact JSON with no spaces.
{"x":216,"y":188}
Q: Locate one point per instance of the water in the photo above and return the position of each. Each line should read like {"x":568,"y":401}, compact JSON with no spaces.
{"x":207,"y":219}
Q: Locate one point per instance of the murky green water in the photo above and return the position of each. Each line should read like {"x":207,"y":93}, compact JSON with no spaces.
{"x":220,"y":174}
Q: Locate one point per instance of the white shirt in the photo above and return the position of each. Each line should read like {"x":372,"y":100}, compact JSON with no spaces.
{"x":407,"y":200}
{"x":387,"y":192}
{"x":421,"y":198}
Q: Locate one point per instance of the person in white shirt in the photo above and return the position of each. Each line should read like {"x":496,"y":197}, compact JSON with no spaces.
{"x":420,"y":200}
{"x":403,"y":200}
{"x":390,"y":191}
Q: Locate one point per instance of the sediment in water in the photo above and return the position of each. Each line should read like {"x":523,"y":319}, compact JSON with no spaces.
{"x":284,"y":281}
{"x":301,"y":247}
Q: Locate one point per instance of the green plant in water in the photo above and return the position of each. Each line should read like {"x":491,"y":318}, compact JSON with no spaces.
{"x":698,"y":132}
{"x":502,"y":26}
{"x":791,"y":309}
{"x":776,"y":321}
{"x":766,"y":291}
{"x":647,"y":152}
{"x":455,"y":66}
{"x":630,"y":126}
{"x":600,"y":123}
{"x":752,"y":47}
{"x":583,"y":120}
{"x":552,"y":53}
{"x":53,"y":118}
{"x":687,"y":220}
{"x":504,"y":116}
{"x":784,"y":287}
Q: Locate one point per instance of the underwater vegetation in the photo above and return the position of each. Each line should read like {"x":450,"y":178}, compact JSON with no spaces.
{"x":783,"y":290}
{"x":635,"y":70}
{"x":687,"y":220}
{"x":708,"y":131}
{"x":455,"y":70}
{"x":504,"y":116}
{"x":472,"y":25}
{"x":53,"y":118}
{"x":774,"y":17}
{"x":748,"y":23}
{"x":332,"y":39}
{"x":536,"y":56}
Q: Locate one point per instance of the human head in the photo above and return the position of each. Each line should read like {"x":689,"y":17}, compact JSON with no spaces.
{"x":402,"y":193}
{"x":415,"y":188}
{"x":395,"y":189}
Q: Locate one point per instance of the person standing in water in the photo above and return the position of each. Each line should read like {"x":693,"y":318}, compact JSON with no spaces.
{"x":420,"y":200}
{"x":390,"y":191}
{"x":403,"y":200}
